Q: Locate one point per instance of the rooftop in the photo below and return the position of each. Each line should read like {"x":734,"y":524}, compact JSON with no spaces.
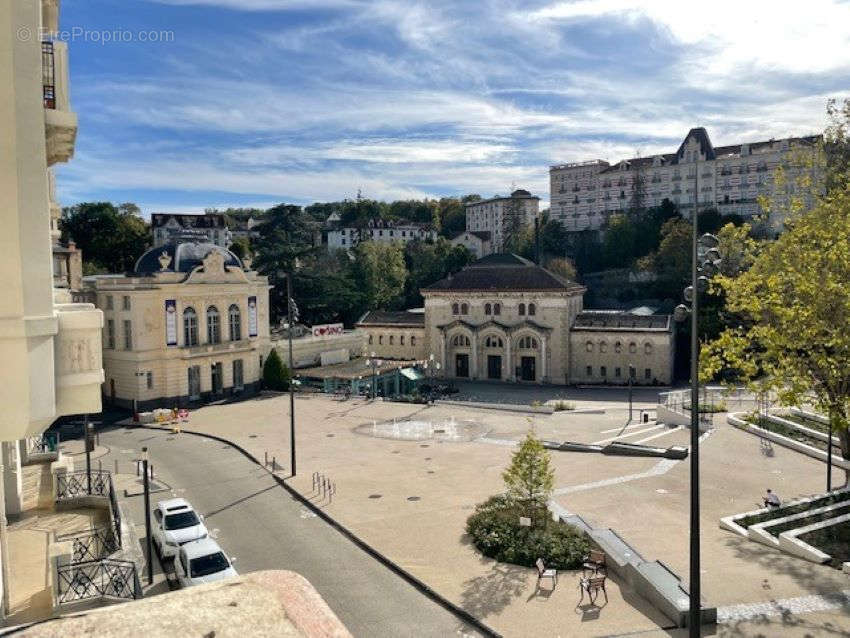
{"x":615,"y":320}
{"x":392,"y":318}
{"x":504,"y":272}
{"x":354,"y":369}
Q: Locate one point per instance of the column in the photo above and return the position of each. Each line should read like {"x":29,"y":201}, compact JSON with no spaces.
{"x":543,"y":371}
{"x":473,"y":372}
{"x":510,"y":375}
{"x":443,"y":354}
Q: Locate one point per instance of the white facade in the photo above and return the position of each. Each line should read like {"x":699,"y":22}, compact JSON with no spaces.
{"x":385,"y":230}
{"x":729,"y":178}
{"x":478,"y":242}
{"x":209,"y":227}
{"x":489,"y":215}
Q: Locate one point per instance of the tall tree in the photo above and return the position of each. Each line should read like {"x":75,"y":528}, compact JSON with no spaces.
{"x":111,"y":238}
{"x":619,"y":243}
{"x":530,"y":478}
{"x":380,"y":273}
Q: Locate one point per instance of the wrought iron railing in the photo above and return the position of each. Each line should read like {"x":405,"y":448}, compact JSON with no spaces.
{"x":43,"y":443}
{"x":97,"y":579}
{"x":48,"y":75}
{"x":116,"y":513}
{"x":91,"y":545}
{"x":82,"y":483}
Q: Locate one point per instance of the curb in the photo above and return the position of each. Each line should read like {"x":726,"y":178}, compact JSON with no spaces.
{"x":419,"y":585}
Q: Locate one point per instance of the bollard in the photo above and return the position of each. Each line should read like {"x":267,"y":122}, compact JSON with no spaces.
{"x":266,"y":463}
{"x":151,"y":472}
{"x":274,"y":463}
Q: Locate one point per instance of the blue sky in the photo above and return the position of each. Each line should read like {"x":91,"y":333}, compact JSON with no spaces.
{"x":255,"y":102}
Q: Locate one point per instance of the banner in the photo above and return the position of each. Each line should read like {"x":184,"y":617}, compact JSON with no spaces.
{"x":328,"y":329}
{"x":252,"y":316}
{"x":170,"y":322}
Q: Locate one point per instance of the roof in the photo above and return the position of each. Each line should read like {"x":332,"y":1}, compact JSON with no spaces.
{"x":517,"y":194}
{"x":185,"y":256}
{"x":615,"y":320}
{"x":705,"y":147}
{"x":504,"y":272}
{"x":390,"y":318}
{"x":354,"y":369}
{"x":201,"y":547}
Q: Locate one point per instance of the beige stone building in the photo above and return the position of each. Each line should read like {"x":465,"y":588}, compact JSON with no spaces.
{"x":503,"y":318}
{"x":584,"y":195}
{"x":190,"y":324}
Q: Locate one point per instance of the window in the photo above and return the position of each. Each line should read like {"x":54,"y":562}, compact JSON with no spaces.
{"x":380,"y":340}
{"x":589,"y":346}
{"x":125,"y":303}
{"x":401,"y":339}
{"x":632,"y":347}
{"x":603,"y":346}
{"x":647,"y":374}
{"x":528,"y":343}
{"x":391,"y":340}
{"x":497,"y":309}
{"x":589,"y":371}
{"x":522,"y":310}
{"x":647,"y":348}
{"x":238,"y":376}
{"x":494,"y":342}
{"x":213,"y":326}
{"x":455,"y":310}
{"x":603,"y":371}
{"x":460,"y":341}
{"x":618,"y":347}
{"x":128,"y":334}
{"x":413,"y":341}
{"x":109,"y":305}
{"x":371,"y":339}
{"x":110,"y":334}
{"x":464,"y":309}
{"x":487,"y":309}
{"x":532,"y":310}
{"x":235,"y":317}
{"x":617,"y":372}
{"x":149,"y":379}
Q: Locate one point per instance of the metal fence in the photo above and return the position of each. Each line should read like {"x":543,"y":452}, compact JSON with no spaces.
{"x":97,"y":579}
{"x":77,"y":484}
{"x":116,"y":513}
{"x":43,"y":443}
{"x":92,"y":545}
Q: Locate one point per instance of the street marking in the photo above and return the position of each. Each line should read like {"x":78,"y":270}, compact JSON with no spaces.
{"x":655,"y":436}
{"x":628,"y":427}
{"x":635,"y":433}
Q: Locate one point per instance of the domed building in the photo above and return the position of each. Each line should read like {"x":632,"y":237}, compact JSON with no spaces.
{"x":190,"y":324}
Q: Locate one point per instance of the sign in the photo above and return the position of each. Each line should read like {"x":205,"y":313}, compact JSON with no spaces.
{"x":525,"y":521}
{"x":328,"y":329}
{"x":252,"y":316}
{"x":170,"y":322}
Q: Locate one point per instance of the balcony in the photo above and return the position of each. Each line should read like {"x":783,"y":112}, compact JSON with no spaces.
{"x":59,"y":120}
{"x":79,"y":360}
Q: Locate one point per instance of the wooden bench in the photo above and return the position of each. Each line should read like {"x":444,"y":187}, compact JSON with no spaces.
{"x":595,"y":563}
{"x":592,"y":585}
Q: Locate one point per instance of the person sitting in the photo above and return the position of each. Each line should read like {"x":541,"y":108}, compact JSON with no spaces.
{"x":771,"y":499}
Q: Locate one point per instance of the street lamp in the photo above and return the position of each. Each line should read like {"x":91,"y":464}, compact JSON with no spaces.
{"x":372,"y":361}
{"x":149,"y":541}
{"x":631,"y":379}
{"x":291,"y":315}
{"x":434,"y":366}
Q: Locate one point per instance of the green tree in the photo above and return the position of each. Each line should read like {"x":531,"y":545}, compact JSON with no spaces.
{"x":276,"y":375}
{"x":380,"y":273}
{"x":111,"y":238}
{"x":619,"y":244}
{"x":563,"y":267}
{"x":672,"y":262}
{"x":430,"y":262}
{"x":794,"y":302}
{"x":554,"y":238}
{"x":241,"y":247}
{"x":530,"y":478}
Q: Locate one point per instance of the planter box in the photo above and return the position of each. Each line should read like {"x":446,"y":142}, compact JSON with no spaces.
{"x":789,"y":542}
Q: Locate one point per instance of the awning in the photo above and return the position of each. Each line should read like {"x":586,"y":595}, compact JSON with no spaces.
{"x":412,"y":373}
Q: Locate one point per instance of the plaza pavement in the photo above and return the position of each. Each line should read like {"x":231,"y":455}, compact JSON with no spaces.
{"x":410,"y":500}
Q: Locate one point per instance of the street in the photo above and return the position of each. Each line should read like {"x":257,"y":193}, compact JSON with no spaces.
{"x":258,"y":522}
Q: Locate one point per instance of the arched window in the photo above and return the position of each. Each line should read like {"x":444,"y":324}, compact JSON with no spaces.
{"x":190,"y":327}
{"x":618,"y":347}
{"x":532,"y":309}
{"x":494,"y":342}
{"x":603,"y":347}
{"x":454,"y":309}
{"x":213,"y":325}
{"x":497,"y":309}
{"x":401,"y":339}
{"x":391,"y":340}
{"x":235,"y":317}
{"x":464,"y":309}
{"x":413,"y":341}
{"x":460,"y":340}
{"x":632,"y":347}
{"x":647,"y":348}
{"x":371,"y":339}
{"x":487,"y":309}
{"x":380,"y":340}
{"x":589,"y":346}
{"x":528,"y":343}
{"x":522,"y":310}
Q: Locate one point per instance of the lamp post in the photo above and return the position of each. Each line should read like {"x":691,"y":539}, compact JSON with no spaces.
{"x":631,"y":379}
{"x":434,"y":367}
{"x":291,"y":311}
{"x":88,"y":427}
{"x":372,"y":361}
{"x":149,"y":541}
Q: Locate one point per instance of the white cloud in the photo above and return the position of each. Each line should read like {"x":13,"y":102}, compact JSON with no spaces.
{"x":264,"y":5}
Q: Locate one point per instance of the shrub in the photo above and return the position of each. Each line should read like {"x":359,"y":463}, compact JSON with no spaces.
{"x":276,"y":375}
{"x":561,"y":406}
{"x":496,"y":533}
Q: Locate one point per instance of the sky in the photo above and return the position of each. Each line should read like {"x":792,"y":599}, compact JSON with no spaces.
{"x":190,"y":104}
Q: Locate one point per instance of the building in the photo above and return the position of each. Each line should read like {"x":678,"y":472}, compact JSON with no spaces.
{"x":584,"y":195}
{"x":320,"y":345}
{"x":394,"y":335}
{"x":380,"y":230}
{"x":190,"y":324}
{"x":245,"y":229}
{"x":209,"y":227}
{"x":496,"y":215}
{"x":503,"y":318}
{"x":478,"y":242}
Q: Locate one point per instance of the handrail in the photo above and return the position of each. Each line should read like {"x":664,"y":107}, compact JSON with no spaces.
{"x":97,"y":579}
{"x":93,"y":544}
{"x":72,"y":485}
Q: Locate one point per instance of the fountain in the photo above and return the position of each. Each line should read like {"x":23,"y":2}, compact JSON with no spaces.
{"x":421,"y":430}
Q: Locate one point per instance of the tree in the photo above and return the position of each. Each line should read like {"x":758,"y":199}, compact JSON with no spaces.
{"x":794,"y":302}
{"x":430,"y":262}
{"x":672,"y":261}
{"x":514,"y":227}
{"x":111,"y":238}
{"x":241,"y":247}
{"x":276,"y":375}
{"x":637,"y":200}
{"x":563,"y":267}
{"x":380,"y":273}
{"x":619,"y":243}
{"x":554,"y":238}
{"x":530,"y":478}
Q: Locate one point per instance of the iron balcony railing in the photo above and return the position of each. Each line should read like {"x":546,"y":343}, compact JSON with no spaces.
{"x":108,"y":578}
{"x":92,"y":545}
{"x":81,"y":483}
{"x":43,"y":443}
{"x":48,"y":75}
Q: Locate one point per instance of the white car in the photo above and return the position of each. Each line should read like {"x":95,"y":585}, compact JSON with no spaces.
{"x":176,"y":523}
{"x":202,"y":561}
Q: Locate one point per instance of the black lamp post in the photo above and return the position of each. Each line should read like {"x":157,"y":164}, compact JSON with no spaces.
{"x":372,"y":361}
{"x":631,"y":380}
{"x":291,"y":315}
{"x":149,"y":541}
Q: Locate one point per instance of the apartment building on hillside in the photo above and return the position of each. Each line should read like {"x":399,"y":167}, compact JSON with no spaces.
{"x":494,"y":216}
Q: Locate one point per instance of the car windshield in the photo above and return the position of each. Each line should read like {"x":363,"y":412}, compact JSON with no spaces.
{"x":181,"y":520}
{"x":206,"y":565}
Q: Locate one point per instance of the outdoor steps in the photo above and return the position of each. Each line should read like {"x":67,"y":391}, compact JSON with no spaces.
{"x":37,"y":486}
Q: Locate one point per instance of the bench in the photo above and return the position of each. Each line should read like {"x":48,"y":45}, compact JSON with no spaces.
{"x":542,"y":573}
{"x":592,"y":586}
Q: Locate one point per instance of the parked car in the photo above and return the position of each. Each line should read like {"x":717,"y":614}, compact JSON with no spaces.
{"x":176,"y":523}
{"x":202,"y":561}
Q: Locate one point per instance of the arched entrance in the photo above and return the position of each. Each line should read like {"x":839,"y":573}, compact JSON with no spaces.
{"x":527,"y":348}
{"x":493,"y":357}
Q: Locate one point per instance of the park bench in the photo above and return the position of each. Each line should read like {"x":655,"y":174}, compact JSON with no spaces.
{"x":594,"y":562}
{"x":542,"y":573}
{"x":592,"y":585}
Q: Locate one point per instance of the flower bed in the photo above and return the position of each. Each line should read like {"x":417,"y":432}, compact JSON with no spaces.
{"x":834,"y":540}
{"x":496,"y":532}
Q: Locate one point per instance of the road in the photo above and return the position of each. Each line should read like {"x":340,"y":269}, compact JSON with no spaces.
{"x":258,"y":522}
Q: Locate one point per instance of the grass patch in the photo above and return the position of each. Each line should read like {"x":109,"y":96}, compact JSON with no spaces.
{"x":794,"y":509}
{"x":833,"y":540}
{"x":709,"y":408}
{"x":808,"y":520}
{"x":791,"y":433}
